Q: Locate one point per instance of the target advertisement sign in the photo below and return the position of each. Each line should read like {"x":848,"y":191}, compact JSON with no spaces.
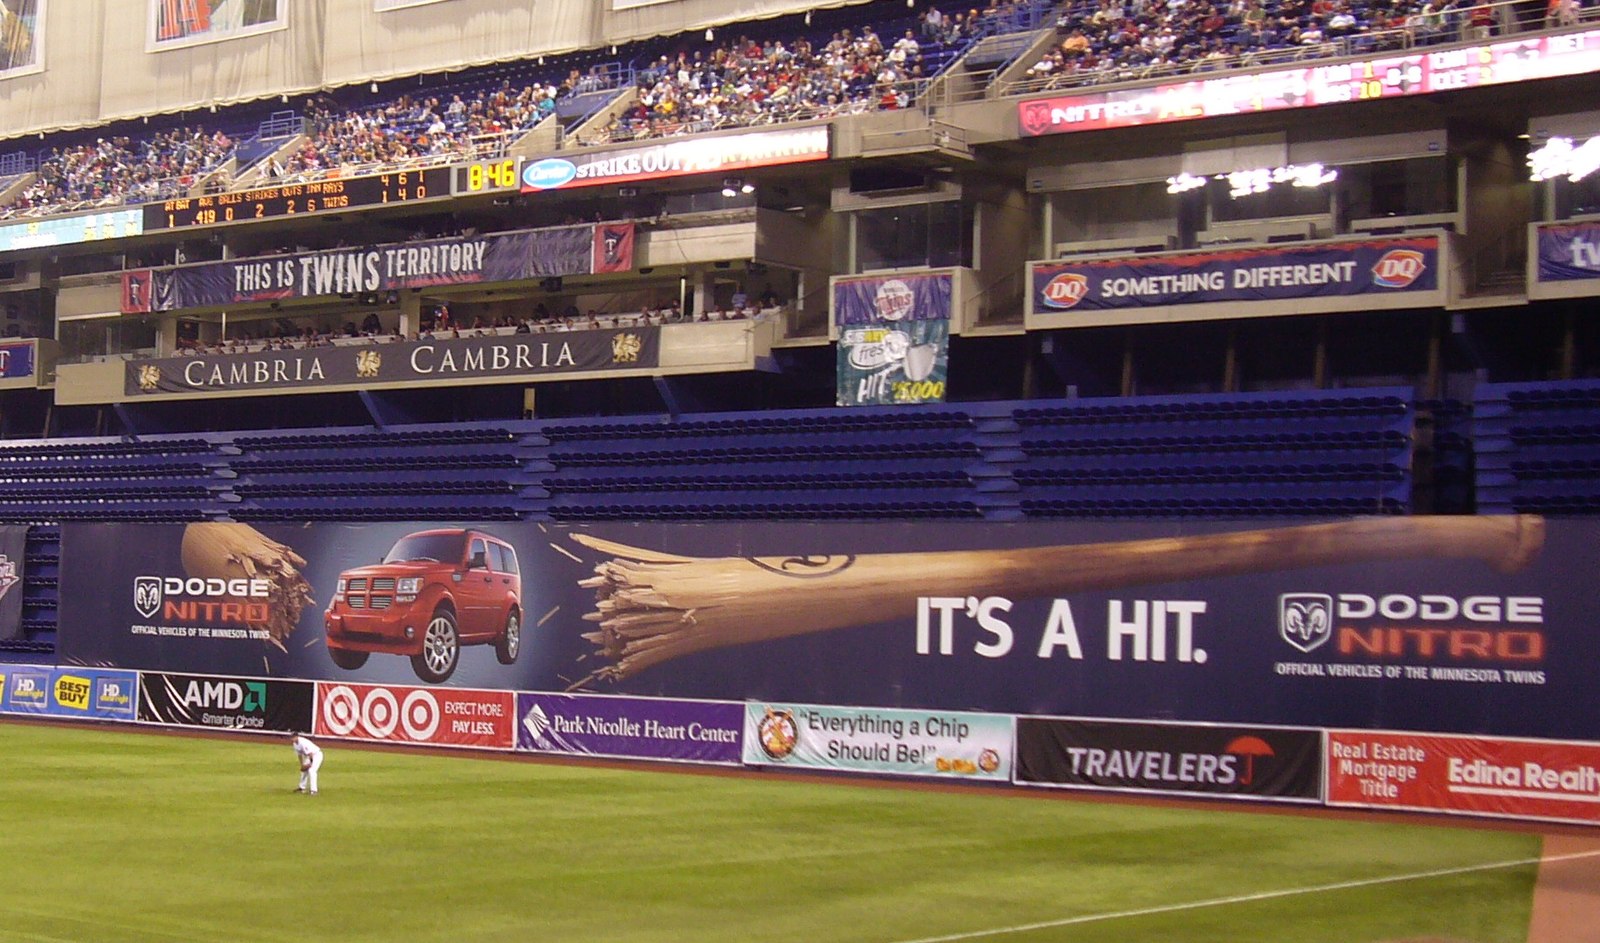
{"x":443,"y":717}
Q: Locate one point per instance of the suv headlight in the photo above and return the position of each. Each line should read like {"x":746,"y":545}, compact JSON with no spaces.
{"x":409,"y":586}
{"x":338,"y":589}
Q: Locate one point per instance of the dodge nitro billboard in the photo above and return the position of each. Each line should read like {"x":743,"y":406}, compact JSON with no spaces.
{"x":1470,"y":624}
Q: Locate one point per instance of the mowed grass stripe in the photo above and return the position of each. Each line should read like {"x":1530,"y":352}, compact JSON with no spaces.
{"x":151,"y":837}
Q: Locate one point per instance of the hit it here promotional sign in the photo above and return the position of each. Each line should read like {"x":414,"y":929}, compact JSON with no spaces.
{"x":83,"y":693}
{"x":1524,"y":779}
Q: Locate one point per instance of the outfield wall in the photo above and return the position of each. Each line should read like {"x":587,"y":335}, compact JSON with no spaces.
{"x":1451,"y":625}
{"x":1438,"y":664}
{"x":1523,"y":779}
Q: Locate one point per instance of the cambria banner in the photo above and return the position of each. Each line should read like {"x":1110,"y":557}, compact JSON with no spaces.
{"x":512,"y":356}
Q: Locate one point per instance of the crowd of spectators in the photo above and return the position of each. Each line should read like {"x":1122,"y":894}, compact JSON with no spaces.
{"x":1120,"y":40}
{"x":751,"y":82}
{"x":740,"y":83}
{"x":285,"y":334}
{"x":121,"y":170}
{"x":446,"y":127}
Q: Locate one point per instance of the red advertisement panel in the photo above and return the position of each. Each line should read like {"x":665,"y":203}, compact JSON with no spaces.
{"x":1523,"y":779}
{"x":441,"y":717}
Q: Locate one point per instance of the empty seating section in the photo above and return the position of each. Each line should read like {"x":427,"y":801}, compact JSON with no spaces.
{"x":1537,"y":447}
{"x":1531,"y":447}
{"x":801,"y":464}
{"x":156,"y":479}
{"x":471,"y":472}
{"x":1218,"y":455}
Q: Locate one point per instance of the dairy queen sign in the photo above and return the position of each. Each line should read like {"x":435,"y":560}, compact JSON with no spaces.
{"x":509,"y":356}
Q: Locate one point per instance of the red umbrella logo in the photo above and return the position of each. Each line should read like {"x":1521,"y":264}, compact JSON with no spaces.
{"x":1249,"y":748}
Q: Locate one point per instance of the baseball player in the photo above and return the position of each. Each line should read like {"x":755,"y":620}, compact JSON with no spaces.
{"x":310,"y":756}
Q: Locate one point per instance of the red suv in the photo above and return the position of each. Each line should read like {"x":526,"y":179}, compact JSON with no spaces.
{"x":435,"y":591}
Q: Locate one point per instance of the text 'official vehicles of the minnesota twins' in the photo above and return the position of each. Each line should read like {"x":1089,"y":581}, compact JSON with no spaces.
{"x":435,"y":591}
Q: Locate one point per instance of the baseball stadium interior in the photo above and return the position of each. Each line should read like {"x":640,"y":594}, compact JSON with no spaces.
{"x":648,"y":261}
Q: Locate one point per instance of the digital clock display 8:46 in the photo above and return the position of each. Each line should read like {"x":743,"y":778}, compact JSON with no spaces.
{"x":488,"y":176}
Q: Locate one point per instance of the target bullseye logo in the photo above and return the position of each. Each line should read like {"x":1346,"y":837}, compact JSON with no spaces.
{"x":379,"y":712}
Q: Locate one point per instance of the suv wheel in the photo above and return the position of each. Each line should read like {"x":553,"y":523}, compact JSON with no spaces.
{"x":346,"y":659}
{"x":509,"y":643}
{"x":440,"y":649}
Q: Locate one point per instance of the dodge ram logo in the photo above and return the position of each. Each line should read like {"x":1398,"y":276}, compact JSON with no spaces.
{"x":147,"y":595}
{"x":1305,"y":620}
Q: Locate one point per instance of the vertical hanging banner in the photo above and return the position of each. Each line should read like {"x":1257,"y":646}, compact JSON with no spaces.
{"x":21,"y":37}
{"x":13,"y":544}
{"x":894,"y":338}
{"x":613,"y":248}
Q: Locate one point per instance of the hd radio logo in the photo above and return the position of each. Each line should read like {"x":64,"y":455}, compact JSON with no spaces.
{"x":114,"y":695}
{"x":29,"y":690}
{"x":1305,"y":620}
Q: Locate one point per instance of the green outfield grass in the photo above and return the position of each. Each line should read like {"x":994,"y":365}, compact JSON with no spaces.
{"x":121,"y":836}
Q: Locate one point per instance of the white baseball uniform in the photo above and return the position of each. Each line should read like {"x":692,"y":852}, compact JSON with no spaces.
{"x":310,"y":756}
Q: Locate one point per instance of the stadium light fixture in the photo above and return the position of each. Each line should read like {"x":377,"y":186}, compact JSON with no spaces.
{"x":1243,"y":183}
{"x":1559,"y":157}
{"x":1184,"y":182}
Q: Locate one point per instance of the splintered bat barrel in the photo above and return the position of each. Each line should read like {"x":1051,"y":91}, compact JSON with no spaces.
{"x":653,"y":606}
{"x":232,"y":551}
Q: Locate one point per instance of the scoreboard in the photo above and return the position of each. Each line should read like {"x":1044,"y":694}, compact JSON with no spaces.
{"x":317,"y":196}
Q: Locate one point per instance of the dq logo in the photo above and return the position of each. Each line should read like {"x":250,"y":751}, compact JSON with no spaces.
{"x":1065,"y":290}
{"x":1398,"y":268}
{"x":1305,"y":620}
{"x":379,"y":713}
{"x":147,"y":595}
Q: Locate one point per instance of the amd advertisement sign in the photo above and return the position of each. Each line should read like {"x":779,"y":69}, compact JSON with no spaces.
{"x":1455,"y":624}
{"x":249,"y":704}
